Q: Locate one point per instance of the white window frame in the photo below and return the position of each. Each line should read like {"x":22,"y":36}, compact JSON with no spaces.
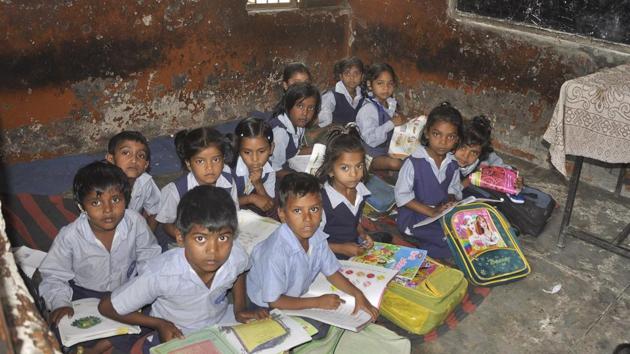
{"x":262,"y":5}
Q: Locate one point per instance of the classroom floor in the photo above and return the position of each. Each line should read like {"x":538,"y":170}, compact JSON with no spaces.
{"x":590,"y":313}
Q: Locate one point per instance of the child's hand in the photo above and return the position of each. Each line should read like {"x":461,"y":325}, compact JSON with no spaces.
{"x":352,"y":249}
{"x":305,"y":150}
{"x":263,"y":203}
{"x":255,"y":175}
{"x":58,"y":314}
{"x":329,"y":301}
{"x":361,"y":303}
{"x":367,"y":242}
{"x":247,"y":316}
{"x":398,"y":119}
{"x":168,"y":331}
{"x":519,"y":183}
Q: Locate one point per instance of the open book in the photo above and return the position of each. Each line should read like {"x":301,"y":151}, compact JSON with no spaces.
{"x":406,"y":137}
{"x":405,"y":260}
{"x":253,"y":228}
{"x":87,"y":324}
{"x":309,"y":163}
{"x":371,"y":280}
{"x":274,"y":335}
{"x":464,"y":201}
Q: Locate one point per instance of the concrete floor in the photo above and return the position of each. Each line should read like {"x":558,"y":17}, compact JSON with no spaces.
{"x":591,"y":312}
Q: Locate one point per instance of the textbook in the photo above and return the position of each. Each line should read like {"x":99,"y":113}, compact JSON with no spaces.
{"x":464,"y":201}
{"x":270,"y":336}
{"x":309,"y":163}
{"x":371,"y":280}
{"x":405,"y":260}
{"x":497,"y":178}
{"x":88,"y":324}
{"x":253,"y":228}
{"x":406,"y":137}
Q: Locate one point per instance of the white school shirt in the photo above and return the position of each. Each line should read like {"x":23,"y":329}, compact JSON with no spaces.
{"x":281,"y":138}
{"x":492,"y":160}
{"x":177,"y":294}
{"x":337,"y":198}
{"x":367,"y":122}
{"x":403,"y":191}
{"x":280,"y":266}
{"x":270,"y":184}
{"x":325,"y":116}
{"x":76,"y":254}
{"x":145,"y":195}
{"x":170,"y":196}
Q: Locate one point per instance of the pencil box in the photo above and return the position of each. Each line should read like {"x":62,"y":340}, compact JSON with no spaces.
{"x":483,"y":245}
{"x":423,"y":303}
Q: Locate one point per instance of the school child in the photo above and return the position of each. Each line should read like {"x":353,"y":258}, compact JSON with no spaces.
{"x":343,"y":195}
{"x":475,"y":149}
{"x":130,"y":151}
{"x":101,"y":249}
{"x":377,"y":117}
{"x":342,"y":104}
{"x":299,"y":105}
{"x":428,"y":181}
{"x":285,"y":264}
{"x":255,"y":178}
{"x":202,"y":152}
{"x":294,"y":73}
{"x":187,"y":286}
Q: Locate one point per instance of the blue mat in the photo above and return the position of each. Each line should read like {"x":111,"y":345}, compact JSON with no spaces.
{"x":54,"y":176}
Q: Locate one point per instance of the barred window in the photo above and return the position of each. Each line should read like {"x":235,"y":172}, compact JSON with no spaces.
{"x":272,"y":4}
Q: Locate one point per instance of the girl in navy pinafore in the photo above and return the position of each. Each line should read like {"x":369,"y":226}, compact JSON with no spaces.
{"x":343,"y":195}
{"x":428,"y":181}
{"x":377,"y":118}
{"x":341,"y":104}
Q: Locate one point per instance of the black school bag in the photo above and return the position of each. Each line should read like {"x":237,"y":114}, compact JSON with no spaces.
{"x":530,"y":217}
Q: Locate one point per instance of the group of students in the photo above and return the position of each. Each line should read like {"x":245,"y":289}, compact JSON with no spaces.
{"x":176,"y":250}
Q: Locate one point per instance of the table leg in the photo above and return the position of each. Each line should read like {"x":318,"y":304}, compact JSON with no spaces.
{"x":568,"y":208}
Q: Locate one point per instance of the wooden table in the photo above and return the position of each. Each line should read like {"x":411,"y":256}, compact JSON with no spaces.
{"x":592,"y":120}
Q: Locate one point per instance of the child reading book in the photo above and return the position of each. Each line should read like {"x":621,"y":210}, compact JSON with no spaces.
{"x":101,"y":249}
{"x":285,"y":264}
{"x":187,"y":286}
{"x":130,"y":151}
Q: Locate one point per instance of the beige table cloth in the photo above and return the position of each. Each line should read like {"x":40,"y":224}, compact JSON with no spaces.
{"x":592,"y":118}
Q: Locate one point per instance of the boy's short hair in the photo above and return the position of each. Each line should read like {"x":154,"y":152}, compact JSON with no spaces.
{"x":207,"y":206}
{"x":297,"y":184}
{"x":128,"y":135}
{"x":99,"y":176}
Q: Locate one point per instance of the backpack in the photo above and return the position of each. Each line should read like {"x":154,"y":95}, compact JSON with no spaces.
{"x":483,"y":245}
{"x":528,"y":218}
{"x":423,"y":303}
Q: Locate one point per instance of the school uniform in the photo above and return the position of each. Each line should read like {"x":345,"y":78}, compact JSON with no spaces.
{"x":243,"y":184}
{"x":280,"y":266}
{"x":177,"y":294}
{"x":341,"y":217}
{"x":287,"y":140}
{"x":420,"y":179}
{"x":492,"y":160}
{"x":173,"y":192}
{"x":145,"y":195}
{"x":77,"y":256}
{"x":375,"y":125}
{"x":339,"y":107}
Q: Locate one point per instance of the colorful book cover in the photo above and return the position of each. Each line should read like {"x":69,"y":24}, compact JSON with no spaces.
{"x":405,"y":260}
{"x":497,"y":178}
{"x":476,"y":231}
{"x":424,"y":272}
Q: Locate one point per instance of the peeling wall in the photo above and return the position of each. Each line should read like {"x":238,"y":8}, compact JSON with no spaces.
{"x":75,"y":72}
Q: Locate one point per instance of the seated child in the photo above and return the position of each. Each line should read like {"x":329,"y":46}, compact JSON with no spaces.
{"x":342,"y":104}
{"x":428,"y":181}
{"x":202,"y":152}
{"x":255,"y":178}
{"x":285,"y":264}
{"x":294,"y":73}
{"x":187,"y":286}
{"x":377,"y":117}
{"x":299,"y":105}
{"x":343,"y":172}
{"x":101,"y":249}
{"x":130,"y":151}
{"x":475,"y":149}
